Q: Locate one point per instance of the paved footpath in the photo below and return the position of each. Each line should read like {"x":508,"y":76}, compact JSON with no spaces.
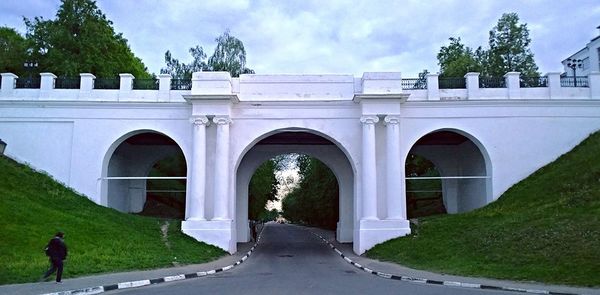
{"x":290,"y":260}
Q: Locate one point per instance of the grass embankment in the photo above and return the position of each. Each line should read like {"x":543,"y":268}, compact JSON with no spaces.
{"x":546,"y":228}
{"x":33,"y":207}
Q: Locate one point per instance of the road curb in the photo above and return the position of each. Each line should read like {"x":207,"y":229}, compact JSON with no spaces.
{"x":141,"y":283}
{"x":436,"y":282}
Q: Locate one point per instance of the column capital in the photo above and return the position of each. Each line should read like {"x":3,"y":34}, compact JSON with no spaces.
{"x":369,"y":119}
{"x":201,"y":120}
{"x":222,"y":120}
{"x":392,"y":120}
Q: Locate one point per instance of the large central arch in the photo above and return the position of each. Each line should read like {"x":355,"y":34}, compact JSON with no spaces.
{"x":302,"y":141}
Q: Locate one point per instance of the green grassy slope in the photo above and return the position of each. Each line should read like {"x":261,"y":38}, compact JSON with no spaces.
{"x":33,"y":207}
{"x":546,"y":228}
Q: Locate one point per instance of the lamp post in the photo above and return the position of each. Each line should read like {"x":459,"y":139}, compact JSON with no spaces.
{"x":29,"y":66}
{"x":2,"y":147}
{"x":574,"y":64}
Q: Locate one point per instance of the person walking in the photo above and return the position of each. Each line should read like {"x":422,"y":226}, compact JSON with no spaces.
{"x":57,"y":252}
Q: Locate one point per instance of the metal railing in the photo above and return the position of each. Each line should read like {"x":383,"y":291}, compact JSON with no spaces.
{"x":492,"y":82}
{"x":145,"y":84}
{"x":28,"y":83}
{"x":107,"y":83}
{"x":452,"y":83}
{"x":181,"y":84}
{"x":526,"y":82}
{"x":579,"y":81}
{"x":67,"y":83}
{"x":414,"y":83}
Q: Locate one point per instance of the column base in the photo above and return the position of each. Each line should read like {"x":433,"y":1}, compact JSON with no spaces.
{"x":220,"y":233}
{"x":343,"y":233}
{"x":373,"y":232}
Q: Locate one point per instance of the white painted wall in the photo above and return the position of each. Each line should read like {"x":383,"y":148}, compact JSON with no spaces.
{"x":72,"y":134}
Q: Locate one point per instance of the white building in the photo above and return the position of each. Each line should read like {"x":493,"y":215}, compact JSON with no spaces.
{"x":589,"y":56}
{"x":102,"y":142}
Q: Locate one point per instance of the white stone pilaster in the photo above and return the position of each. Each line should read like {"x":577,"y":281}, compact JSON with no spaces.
{"x":198,"y":182}
{"x":396,"y":206}
{"x":369,"y":170}
{"x":221,"y":177}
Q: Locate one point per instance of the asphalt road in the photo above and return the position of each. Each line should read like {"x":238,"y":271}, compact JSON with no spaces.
{"x":290,"y":260}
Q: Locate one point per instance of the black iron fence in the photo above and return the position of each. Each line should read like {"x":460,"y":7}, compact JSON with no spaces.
{"x":452,"y":83}
{"x":414,"y":83}
{"x":28,"y":82}
{"x":181,"y":84}
{"x":579,"y":81}
{"x":67,"y":83}
{"x":492,"y":82}
{"x":526,"y":82}
{"x":145,"y":84}
{"x":107,"y":83}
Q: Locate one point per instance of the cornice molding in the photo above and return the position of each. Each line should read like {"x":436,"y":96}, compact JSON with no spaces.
{"x":191,"y":98}
{"x":358,"y":97}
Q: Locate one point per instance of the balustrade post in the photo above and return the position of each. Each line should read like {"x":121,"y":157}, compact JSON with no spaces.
{"x":47,"y":81}
{"x":164,"y":87}
{"x":594,"y":84}
{"x":472,"y":85}
{"x":8,"y":83}
{"x":554,"y":85}
{"x":126,"y":85}
{"x":513,"y":84}
{"x":433,"y":87}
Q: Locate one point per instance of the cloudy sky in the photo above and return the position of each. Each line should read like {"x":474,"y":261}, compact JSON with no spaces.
{"x":332,"y":36}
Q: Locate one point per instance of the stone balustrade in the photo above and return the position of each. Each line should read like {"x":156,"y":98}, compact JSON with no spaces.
{"x":296,"y":87}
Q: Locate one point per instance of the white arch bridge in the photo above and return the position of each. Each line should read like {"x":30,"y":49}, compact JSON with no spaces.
{"x":103,"y":142}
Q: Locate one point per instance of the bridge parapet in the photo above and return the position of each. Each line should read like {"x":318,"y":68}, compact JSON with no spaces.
{"x":303,"y":87}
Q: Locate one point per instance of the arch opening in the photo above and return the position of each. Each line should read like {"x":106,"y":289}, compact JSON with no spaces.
{"x":446,"y":172}
{"x":146,"y":174}
{"x":316,"y":149}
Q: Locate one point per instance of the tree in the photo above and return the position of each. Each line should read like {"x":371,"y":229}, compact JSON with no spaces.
{"x":315,"y":199}
{"x":509,"y":48}
{"x":13,"y":51}
{"x":229,"y":56}
{"x":508,"y":51}
{"x":81,"y":40}
{"x":179,"y":70}
{"x":262,"y":188}
{"x":456,"y":59}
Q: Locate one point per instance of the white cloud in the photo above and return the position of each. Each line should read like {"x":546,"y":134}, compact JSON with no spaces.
{"x":332,"y":36}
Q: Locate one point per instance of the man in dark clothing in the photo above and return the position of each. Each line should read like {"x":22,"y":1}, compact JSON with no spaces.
{"x":57,"y":252}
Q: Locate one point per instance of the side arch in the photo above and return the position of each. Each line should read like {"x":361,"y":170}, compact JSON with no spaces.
{"x":464,"y":165}
{"x":129,"y":159}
